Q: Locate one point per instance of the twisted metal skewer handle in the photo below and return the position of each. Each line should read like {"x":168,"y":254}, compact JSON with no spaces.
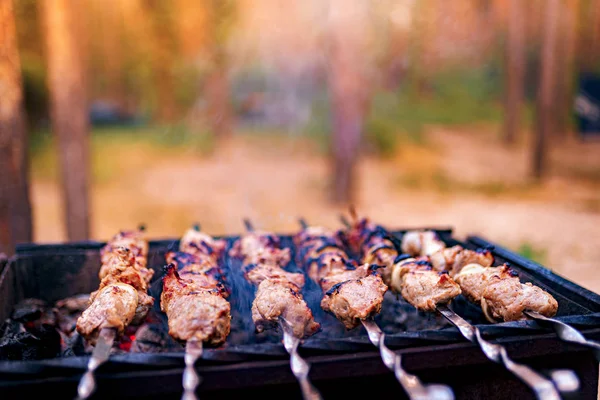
{"x":543,"y":388}
{"x":300,"y":367}
{"x":566,"y":332}
{"x":191,"y":379}
{"x":100,"y":354}
{"x":411,"y":384}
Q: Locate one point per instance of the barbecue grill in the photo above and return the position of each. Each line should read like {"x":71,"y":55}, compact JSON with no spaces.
{"x":148,"y":364}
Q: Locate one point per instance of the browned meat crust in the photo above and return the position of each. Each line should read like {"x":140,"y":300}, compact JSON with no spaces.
{"x":121,"y":298}
{"x":422,"y":286}
{"x":278,"y":291}
{"x":415,"y":280}
{"x":354,"y":300}
{"x":194,"y":290}
{"x":195,"y":308}
{"x":351,"y":293}
{"x":498,"y":290}
{"x":281,"y":299}
{"x":453,"y":259}
{"x":195,"y":241}
{"x":114,"y":307}
{"x":501,"y":294}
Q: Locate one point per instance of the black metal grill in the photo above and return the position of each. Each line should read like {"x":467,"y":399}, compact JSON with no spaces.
{"x":344,"y":363}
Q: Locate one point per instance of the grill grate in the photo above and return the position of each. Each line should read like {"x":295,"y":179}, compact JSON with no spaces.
{"x":54,"y":272}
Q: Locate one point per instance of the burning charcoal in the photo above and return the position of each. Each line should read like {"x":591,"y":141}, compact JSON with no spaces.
{"x":17,"y":343}
{"x":33,"y":312}
{"x":68,"y":310}
{"x":73,"y":304}
{"x":74,"y":345}
{"x":151,"y":338}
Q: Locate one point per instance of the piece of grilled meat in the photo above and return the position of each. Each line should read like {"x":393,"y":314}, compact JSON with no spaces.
{"x":278,"y":298}
{"x":122,"y":297}
{"x":498,"y":290}
{"x":194,"y":295}
{"x":415,"y":280}
{"x":278,"y":294}
{"x":133,"y":241}
{"x":351,"y":293}
{"x":501,"y":294}
{"x":422,"y":286}
{"x":421,"y":243}
{"x":454,"y":258}
{"x":195,"y":241}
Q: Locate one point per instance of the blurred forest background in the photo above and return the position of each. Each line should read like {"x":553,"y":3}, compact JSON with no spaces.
{"x":466,"y":113}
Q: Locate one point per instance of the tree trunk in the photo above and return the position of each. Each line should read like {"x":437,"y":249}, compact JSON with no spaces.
{"x":591,"y":37}
{"x":69,"y":114}
{"x":15,"y":206}
{"x":348,"y":92}
{"x":515,"y":71}
{"x":216,"y":91}
{"x":566,"y":67}
{"x":546,"y":88}
{"x":216,"y":88}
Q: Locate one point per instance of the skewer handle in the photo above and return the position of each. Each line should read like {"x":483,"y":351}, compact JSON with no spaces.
{"x":411,"y":383}
{"x":100,"y":354}
{"x":300,"y":367}
{"x":566,"y":332}
{"x":191,"y":379}
{"x":544,"y":389}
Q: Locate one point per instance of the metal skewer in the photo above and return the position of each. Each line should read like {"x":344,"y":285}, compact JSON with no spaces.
{"x":191,"y":379}
{"x":411,"y":384}
{"x":299,"y":366}
{"x":100,"y":354}
{"x":565,"y":332}
{"x":544,"y":389}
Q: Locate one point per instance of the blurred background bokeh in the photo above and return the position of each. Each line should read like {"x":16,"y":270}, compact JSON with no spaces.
{"x":480,"y":115}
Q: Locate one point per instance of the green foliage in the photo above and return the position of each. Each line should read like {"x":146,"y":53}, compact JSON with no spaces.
{"x":443,"y":183}
{"x":186,"y":83}
{"x":319,"y":126}
{"x":452,"y":98}
{"x":531,"y":252}
{"x":117,"y":148}
{"x":457,"y":97}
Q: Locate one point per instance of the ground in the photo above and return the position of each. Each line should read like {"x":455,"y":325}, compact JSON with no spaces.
{"x":460,"y":178}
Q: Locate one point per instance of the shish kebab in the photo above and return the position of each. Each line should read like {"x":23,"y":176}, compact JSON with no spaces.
{"x":501,"y":295}
{"x":417,"y":282}
{"x":121,"y":299}
{"x":278,"y":299}
{"x":430,"y":289}
{"x":354,"y":295}
{"x":497,"y":290}
{"x":194,"y":299}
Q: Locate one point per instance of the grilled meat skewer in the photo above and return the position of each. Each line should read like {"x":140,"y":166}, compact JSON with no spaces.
{"x":352,"y":293}
{"x":120,"y":300}
{"x":122,"y":297}
{"x":278,"y":300}
{"x":278,"y":291}
{"x":498,"y":290}
{"x":415,"y":280}
{"x":194,"y":297}
{"x":194,"y":292}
